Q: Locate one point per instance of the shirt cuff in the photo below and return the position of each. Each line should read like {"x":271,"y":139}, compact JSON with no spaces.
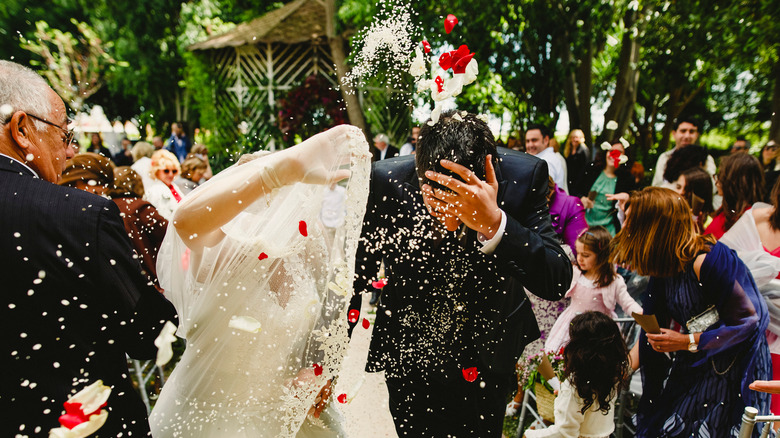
{"x":490,"y":245}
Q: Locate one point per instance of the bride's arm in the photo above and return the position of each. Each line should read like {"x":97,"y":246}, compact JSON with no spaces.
{"x":199,"y":217}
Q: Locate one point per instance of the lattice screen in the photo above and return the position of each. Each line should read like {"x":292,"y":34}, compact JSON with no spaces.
{"x":248,"y":78}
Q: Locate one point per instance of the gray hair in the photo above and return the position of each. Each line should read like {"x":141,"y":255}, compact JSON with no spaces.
{"x":22,"y":89}
{"x":141,"y":149}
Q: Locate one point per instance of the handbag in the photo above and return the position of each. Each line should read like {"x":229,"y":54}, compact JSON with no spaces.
{"x":702,"y":321}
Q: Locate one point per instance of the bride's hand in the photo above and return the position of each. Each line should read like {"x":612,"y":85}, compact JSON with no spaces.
{"x":321,"y":401}
{"x":314,"y":160}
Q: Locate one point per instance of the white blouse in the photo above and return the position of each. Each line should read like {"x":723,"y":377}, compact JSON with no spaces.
{"x":571,"y":423}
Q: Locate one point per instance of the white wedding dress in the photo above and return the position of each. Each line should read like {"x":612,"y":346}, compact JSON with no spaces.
{"x":262,"y":291}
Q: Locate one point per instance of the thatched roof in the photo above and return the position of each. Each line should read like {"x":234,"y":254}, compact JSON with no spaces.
{"x":295,"y":22}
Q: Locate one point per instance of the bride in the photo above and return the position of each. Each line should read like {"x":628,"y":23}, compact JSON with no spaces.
{"x":262,"y":289}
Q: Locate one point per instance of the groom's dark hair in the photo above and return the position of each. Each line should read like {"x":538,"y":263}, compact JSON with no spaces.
{"x":460,"y":137}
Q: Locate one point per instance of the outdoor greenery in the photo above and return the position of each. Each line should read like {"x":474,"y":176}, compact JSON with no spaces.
{"x":641,"y":62}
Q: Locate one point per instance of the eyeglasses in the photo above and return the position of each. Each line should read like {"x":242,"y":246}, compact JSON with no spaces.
{"x":69,"y":133}
{"x":167,"y":171}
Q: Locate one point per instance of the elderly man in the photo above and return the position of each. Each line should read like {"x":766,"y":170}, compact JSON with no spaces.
{"x":74,"y":299}
{"x":382,"y":148}
{"x":537,"y":143}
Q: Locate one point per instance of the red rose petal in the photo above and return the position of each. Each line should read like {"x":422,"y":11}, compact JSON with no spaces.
{"x":342,"y":398}
{"x":379,"y":284}
{"x":426,"y":46}
{"x":353,"y":316}
{"x":262,"y":256}
{"x":470,"y":374}
{"x":460,"y":66}
{"x":366,"y":323}
{"x":302,"y":228}
{"x":615,"y":156}
{"x":317,"y":369}
{"x":73,"y":415}
{"x":439,"y":83}
{"x":450,"y":22}
{"x":445,"y":60}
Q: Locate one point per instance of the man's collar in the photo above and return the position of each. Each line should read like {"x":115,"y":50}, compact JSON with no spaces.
{"x":546,"y":151}
{"x":34,"y":173}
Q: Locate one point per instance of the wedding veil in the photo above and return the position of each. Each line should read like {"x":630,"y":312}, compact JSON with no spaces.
{"x":262,"y":299}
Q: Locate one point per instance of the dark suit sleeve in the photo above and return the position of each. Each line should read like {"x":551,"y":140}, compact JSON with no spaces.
{"x":529,"y":248}
{"x":140,"y":311}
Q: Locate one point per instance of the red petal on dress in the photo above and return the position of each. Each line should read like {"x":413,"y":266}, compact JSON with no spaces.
{"x":353,"y":316}
{"x":302,"y":228}
{"x":342,"y":398}
{"x":317,"y":369}
{"x":366,"y":323}
{"x":262,"y":256}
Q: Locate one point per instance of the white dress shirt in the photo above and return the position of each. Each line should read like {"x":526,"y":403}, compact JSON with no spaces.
{"x":556,"y":167}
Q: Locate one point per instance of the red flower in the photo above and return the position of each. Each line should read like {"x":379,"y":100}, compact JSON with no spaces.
{"x":74,"y":415}
{"x":439,"y":83}
{"x":470,"y":374}
{"x":342,"y":398}
{"x":366,"y":323}
{"x":379,"y":284}
{"x":262,"y":256}
{"x":353,"y":316}
{"x":450,"y":22}
{"x":302,"y":228}
{"x":317,"y":369}
{"x":456,"y":59}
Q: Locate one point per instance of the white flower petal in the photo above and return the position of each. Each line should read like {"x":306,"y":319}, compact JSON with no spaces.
{"x":623,"y":158}
{"x":417,"y":69}
{"x":435,"y":114}
{"x":472,"y":70}
{"x":163,"y":343}
{"x":483,"y":117}
{"x":454,"y":86}
{"x":91,"y":397}
{"x":245,"y":323}
{"x":612,"y":125}
{"x":424,"y":85}
{"x":457,"y":117}
{"x":606,"y":146}
{"x":624,"y":142}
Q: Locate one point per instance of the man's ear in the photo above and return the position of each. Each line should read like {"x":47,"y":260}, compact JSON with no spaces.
{"x":20,"y":128}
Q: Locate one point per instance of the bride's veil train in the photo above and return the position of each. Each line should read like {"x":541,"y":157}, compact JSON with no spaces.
{"x":263,"y":307}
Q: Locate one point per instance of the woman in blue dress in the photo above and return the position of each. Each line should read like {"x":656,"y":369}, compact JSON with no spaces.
{"x":696,"y":372}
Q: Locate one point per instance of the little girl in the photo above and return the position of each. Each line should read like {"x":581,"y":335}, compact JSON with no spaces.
{"x":595,"y":286}
{"x":595,"y":369}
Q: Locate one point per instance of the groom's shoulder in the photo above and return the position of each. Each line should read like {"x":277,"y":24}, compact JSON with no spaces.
{"x":393,"y":171}
{"x":516,"y":164}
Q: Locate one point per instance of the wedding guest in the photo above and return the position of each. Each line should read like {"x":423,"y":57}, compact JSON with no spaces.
{"x":577,"y":157}
{"x":568,"y":216}
{"x":125,"y":156}
{"x":695,"y":186}
{"x":89,"y":172}
{"x":686,"y":133}
{"x":145,"y":226}
{"x":596,"y":286}
{"x":142,"y":161}
{"x":74,"y":302}
{"x":192,"y":171}
{"x":409,"y":147}
{"x":202,"y":152}
{"x":741,"y":145}
{"x":604,"y":177}
{"x":596,"y":369}
{"x":705,"y":287}
{"x":382,"y":148}
{"x":457,"y":212}
{"x":162,"y":192}
{"x":537,"y":143}
{"x":96,"y":145}
{"x":771,"y":165}
{"x":179,"y":144}
{"x":740,"y":181}
{"x":682,"y":160}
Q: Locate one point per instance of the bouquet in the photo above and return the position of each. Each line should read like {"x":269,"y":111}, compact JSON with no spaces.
{"x":529,"y":371}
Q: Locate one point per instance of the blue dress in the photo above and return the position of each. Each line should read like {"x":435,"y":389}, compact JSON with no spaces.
{"x":703,"y":394}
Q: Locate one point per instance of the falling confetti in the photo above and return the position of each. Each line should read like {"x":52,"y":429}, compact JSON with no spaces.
{"x":612,"y":125}
{"x":470,"y":374}
{"x":450,"y":22}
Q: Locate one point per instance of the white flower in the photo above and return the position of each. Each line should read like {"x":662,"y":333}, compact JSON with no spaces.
{"x":606,"y":146}
{"x":483,"y":117}
{"x":245,"y":323}
{"x":624,"y":142}
{"x":435,"y":114}
{"x":163,"y":343}
{"x":424,"y":85}
{"x":417,"y":69}
{"x":471,"y":71}
{"x":92,"y":397}
{"x":83,"y":430}
{"x":612,"y":125}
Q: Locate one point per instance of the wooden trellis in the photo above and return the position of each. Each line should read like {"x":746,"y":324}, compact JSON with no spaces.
{"x":249,"y":78}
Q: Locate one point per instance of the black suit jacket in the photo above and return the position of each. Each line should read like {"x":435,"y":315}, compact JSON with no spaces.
{"x":74,"y":302}
{"x":448,"y":306}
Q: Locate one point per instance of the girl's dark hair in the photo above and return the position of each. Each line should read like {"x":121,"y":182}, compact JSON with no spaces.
{"x":741,"y":179}
{"x":595,"y":360}
{"x":683,"y":159}
{"x":698,"y":182}
{"x":596,"y":239}
{"x":774,"y":219}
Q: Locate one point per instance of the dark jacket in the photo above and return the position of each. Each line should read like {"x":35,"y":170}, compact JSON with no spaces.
{"x":447,"y":306}
{"x":74,"y":304}
{"x":146,"y":229}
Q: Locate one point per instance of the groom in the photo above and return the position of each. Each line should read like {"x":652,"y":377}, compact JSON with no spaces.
{"x":461,"y":228}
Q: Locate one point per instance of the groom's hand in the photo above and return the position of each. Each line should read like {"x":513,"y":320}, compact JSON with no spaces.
{"x":321,"y":401}
{"x":471,"y":201}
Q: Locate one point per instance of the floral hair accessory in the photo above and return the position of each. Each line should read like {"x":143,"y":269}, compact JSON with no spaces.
{"x":84,"y":413}
{"x":450,"y":22}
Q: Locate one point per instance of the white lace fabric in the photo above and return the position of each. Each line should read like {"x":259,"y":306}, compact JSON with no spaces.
{"x":235,"y":380}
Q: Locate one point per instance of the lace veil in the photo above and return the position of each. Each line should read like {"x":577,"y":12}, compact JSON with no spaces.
{"x":263,"y":307}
